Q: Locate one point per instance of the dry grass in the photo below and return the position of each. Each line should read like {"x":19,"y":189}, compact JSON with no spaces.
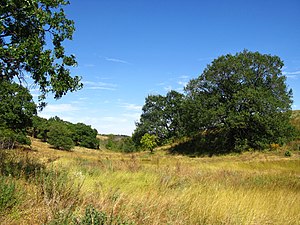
{"x":252,"y":188}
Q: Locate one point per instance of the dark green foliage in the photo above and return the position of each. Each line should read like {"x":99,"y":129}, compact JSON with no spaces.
{"x":84,"y":136}
{"x":40,"y":128}
{"x":60,"y":136}
{"x":16,"y":111}
{"x":24,"y":28}
{"x":244,"y":99}
{"x":64,"y":135}
{"x":162,"y":117}
{"x":120,"y":144}
{"x":287,"y":154}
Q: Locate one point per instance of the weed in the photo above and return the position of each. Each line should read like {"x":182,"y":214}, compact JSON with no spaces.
{"x":9,"y":196}
{"x":288,"y":154}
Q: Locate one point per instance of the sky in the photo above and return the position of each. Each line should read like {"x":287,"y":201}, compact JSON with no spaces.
{"x":129,"y":49}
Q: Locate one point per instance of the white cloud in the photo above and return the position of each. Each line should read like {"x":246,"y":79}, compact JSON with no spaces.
{"x":116,"y":60}
{"x":99,"y":85}
{"x":133,"y":116}
{"x":114,"y":119}
{"x":292,"y":75}
{"x":131,"y":107}
{"x":60,"y":108}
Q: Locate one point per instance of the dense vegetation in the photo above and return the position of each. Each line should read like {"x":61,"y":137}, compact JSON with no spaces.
{"x":64,"y":135}
{"x":239,"y":102}
{"x":31,"y":45}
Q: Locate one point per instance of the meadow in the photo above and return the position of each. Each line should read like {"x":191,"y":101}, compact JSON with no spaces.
{"x":41,"y":185}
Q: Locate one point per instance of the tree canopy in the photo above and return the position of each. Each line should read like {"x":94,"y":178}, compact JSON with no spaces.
{"x":244,"y":97}
{"x":16,"y":111}
{"x":239,"y":102}
{"x":32,"y":33}
{"x":161,"y":117}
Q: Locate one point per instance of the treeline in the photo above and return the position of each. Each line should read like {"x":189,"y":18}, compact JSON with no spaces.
{"x":62,"y":134}
{"x":18,"y":119}
{"x":118,"y":143}
{"x":239,"y":102}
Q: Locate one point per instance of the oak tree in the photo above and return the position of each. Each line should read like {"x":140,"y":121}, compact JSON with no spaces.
{"x":242,"y":98}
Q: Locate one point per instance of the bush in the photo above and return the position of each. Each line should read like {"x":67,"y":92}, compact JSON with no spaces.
{"x":7,"y":138}
{"x":60,"y":137}
{"x":287,"y":154}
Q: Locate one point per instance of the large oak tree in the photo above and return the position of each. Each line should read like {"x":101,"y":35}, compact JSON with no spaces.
{"x":243,"y":99}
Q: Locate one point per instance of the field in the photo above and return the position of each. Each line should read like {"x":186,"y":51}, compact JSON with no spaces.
{"x":60,"y":187}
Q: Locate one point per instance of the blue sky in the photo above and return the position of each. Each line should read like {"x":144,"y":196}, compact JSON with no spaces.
{"x":128,"y":49}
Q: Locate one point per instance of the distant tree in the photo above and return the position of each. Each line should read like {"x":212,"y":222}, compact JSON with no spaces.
{"x":24,"y":50}
{"x":161,"y":116}
{"x":16,"y":111}
{"x":148,"y":142}
{"x":60,"y":136}
{"x":242,"y":99}
{"x":85,"y":136}
{"x":40,"y":128}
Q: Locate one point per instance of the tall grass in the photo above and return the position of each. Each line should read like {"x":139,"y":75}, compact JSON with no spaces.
{"x":115,"y":188}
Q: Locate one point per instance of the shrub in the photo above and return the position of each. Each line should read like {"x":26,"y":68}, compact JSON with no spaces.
{"x":60,"y":137}
{"x":288,"y":154}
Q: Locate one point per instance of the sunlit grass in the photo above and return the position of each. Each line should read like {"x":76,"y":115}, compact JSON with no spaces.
{"x":252,"y":188}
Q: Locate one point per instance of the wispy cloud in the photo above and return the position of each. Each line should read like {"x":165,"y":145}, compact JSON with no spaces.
{"x":131,"y":107}
{"x":294,"y":74}
{"x":99,"y":85}
{"x":116,"y":60}
{"x":57,"y":108}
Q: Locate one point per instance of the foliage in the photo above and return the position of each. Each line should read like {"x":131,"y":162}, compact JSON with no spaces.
{"x":84,"y":135}
{"x":9,"y":196}
{"x":161,"y":116}
{"x":92,"y":216}
{"x":16,"y":111}
{"x":60,"y":136}
{"x":60,"y":131}
{"x":120,"y":144}
{"x":244,"y":99}
{"x":25,"y":47}
{"x":148,"y":142}
{"x":288,"y":154}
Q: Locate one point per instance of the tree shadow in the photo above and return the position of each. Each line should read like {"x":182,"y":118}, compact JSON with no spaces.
{"x":207,"y":143}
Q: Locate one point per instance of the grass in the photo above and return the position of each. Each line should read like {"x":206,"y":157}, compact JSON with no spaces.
{"x":143,"y":188}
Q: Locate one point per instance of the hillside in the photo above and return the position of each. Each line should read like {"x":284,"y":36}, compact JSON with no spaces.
{"x":251,"y":188}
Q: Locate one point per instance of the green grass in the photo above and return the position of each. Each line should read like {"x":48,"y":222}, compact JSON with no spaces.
{"x":251,"y":188}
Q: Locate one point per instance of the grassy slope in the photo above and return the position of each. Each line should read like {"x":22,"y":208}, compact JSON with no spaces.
{"x":252,"y":188}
